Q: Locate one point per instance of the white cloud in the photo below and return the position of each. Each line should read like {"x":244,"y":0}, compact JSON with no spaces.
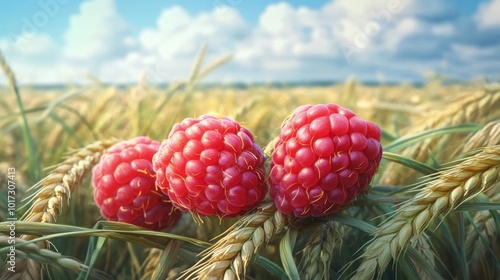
{"x":97,"y":31}
{"x":397,"y":39}
{"x":179,"y":34}
{"x":488,"y":14}
{"x":36,"y":58}
{"x":443,"y":29}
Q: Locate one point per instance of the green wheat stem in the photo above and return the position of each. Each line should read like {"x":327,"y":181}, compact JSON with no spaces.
{"x":29,"y":144}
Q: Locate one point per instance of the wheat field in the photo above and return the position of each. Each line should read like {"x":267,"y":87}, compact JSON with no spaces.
{"x":432,"y":211}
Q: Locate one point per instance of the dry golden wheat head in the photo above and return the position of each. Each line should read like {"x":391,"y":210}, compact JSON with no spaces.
{"x":453,"y":187}
{"x":229,"y":257}
{"x":482,"y":231}
{"x":319,"y":250}
{"x":489,"y":135}
{"x":55,"y":190}
{"x":480,"y":107}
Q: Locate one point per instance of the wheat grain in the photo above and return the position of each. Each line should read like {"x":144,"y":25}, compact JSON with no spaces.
{"x":229,"y":257}
{"x":319,"y":251}
{"x":444,"y":194}
{"x":480,"y":107}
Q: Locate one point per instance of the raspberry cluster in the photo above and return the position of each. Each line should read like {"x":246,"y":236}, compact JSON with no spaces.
{"x":325,"y":156}
{"x":211,"y":166}
{"x":125,"y":189}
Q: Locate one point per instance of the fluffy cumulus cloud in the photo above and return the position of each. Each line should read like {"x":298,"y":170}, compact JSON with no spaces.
{"x":178,"y":36}
{"x":488,"y":15}
{"x":97,"y":32}
{"x":397,"y":39}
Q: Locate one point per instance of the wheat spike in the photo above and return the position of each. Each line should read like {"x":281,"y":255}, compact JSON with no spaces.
{"x":489,"y":135}
{"x":422,"y":246}
{"x":42,"y":255}
{"x":11,"y":78}
{"x":480,"y":107}
{"x":453,"y":187}
{"x":29,"y":257}
{"x":319,"y":251}
{"x":246,"y":108}
{"x":483,"y":229}
{"x":229,"y":257}
{"x":214,"y":65}
{"x":197,"y":65}
{"x":151,"y":263}
{"x":55,"y":190}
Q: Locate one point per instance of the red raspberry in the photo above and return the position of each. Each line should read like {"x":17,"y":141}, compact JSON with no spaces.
{"x":211,"y":165}
{"x":125,"y":189}
{"x":324,"y":157}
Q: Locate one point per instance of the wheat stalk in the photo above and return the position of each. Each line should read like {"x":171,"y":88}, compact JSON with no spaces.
{"x":480,"y":107}
{"x":444,"y":194}
{"x":319,"y":251}
{"x":229,"y":257}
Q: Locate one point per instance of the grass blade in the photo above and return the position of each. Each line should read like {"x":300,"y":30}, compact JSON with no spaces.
{"x":411,"y":163}
{"x":167,"y":260}
{"x":286,"y":253}
{"x":271,"y":267}
{"x":404,"y":142}
{"x":93,"y":256}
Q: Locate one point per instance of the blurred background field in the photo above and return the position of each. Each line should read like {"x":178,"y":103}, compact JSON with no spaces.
{"x":71,"y":117}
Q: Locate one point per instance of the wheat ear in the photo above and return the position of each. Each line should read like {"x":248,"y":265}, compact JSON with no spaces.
{"x":53,"y":191}
{"x":33,"y":251}
{"x":151,"y":263}
{"x":444,"y":194}
{"x":489,"y":135}
{"x":480,"y":107}
{"x":229,"y":257}
{"x":483,"y":229}
{"x":56,"y":189}
{"x":318,"y":253}
{"x":422,"y":246}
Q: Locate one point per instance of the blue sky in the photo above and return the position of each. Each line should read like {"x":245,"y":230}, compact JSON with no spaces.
{"x":57,"y":41}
